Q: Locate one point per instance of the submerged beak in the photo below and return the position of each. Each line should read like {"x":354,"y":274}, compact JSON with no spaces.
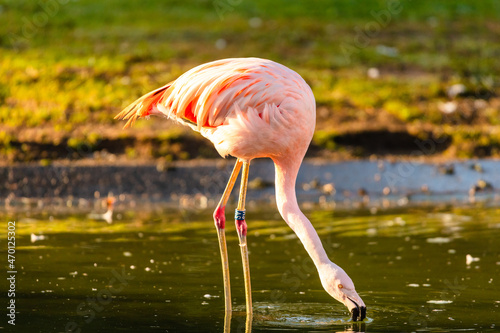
{"x":356,"y":306}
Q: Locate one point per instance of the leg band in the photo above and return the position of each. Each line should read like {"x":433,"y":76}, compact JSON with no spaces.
{"x":239,"y":215}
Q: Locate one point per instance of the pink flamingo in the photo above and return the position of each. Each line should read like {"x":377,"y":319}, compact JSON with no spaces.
{"x":252,"y":108}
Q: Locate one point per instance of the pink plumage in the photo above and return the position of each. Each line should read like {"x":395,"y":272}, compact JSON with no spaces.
{"x":251,"y":108}
{"x":247,"y":107}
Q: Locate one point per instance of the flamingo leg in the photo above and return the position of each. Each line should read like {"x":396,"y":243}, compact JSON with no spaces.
{"x":241,"y":228}
{"x":220,"y":224}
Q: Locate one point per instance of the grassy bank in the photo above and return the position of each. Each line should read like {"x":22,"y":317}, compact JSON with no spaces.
{"x":387,"y":76}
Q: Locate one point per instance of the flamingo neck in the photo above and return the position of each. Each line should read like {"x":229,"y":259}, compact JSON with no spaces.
{"x":286,"y":199}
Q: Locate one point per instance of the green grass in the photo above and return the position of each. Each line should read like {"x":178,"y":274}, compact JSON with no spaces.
{"x":75,"y":64}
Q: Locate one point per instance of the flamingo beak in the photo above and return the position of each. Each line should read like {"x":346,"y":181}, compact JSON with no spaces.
{"x":358,"y":312}
{"x":356,"y":306}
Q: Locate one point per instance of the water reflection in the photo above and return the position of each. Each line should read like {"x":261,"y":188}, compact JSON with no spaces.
{"x":425,"y":269}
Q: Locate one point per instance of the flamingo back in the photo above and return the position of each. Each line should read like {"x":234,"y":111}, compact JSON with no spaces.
{"x":208,"y":96}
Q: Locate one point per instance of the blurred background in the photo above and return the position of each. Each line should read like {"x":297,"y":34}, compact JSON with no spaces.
{"x":402,"y":180}
{"x":385,"y":73}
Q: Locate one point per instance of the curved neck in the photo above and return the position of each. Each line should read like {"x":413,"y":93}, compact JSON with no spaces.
{"x":286,"y":199}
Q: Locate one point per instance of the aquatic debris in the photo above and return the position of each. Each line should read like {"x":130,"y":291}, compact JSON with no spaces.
{"x":439,"y":301}
{"x":414,"y":285}
{"x":127,"y":254}
{"x":399,"y":221}
{"x":36,"y":238}
{"x":470,"y":259}
{"x":450,"y":218}
{"x":438,"y":240}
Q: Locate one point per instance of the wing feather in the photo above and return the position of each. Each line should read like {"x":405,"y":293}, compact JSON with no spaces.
{"x":207,"y":95}
{"x":142,"y":106}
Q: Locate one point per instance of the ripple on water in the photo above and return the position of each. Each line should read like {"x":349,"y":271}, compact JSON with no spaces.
{"x":300,"y":315}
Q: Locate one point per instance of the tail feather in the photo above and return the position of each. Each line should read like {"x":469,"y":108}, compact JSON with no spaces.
{"x":142,"y":106}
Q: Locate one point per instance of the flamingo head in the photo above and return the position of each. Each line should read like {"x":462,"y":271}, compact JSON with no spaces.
{"x":340,"y":286}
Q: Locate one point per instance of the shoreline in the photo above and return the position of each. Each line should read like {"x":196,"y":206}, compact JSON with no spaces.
{"x":375,"y":183}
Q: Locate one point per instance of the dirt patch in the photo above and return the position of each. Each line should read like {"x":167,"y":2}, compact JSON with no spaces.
{"x":384,"y":142}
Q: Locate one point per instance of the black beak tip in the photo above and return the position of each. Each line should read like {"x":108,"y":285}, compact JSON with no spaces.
{"x":355,"y":314}
{"x":358,"y":313}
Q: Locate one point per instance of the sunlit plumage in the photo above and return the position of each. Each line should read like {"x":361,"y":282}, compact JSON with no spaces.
{"x":251,"y":108}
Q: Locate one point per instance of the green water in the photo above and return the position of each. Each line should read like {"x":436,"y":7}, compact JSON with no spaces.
{"x":161,"y":272}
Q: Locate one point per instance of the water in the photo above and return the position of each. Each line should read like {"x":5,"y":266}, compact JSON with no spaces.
{"x":160,"y":272}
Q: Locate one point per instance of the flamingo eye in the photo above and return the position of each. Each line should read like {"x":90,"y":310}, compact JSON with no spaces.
{"x":340,"y":286}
